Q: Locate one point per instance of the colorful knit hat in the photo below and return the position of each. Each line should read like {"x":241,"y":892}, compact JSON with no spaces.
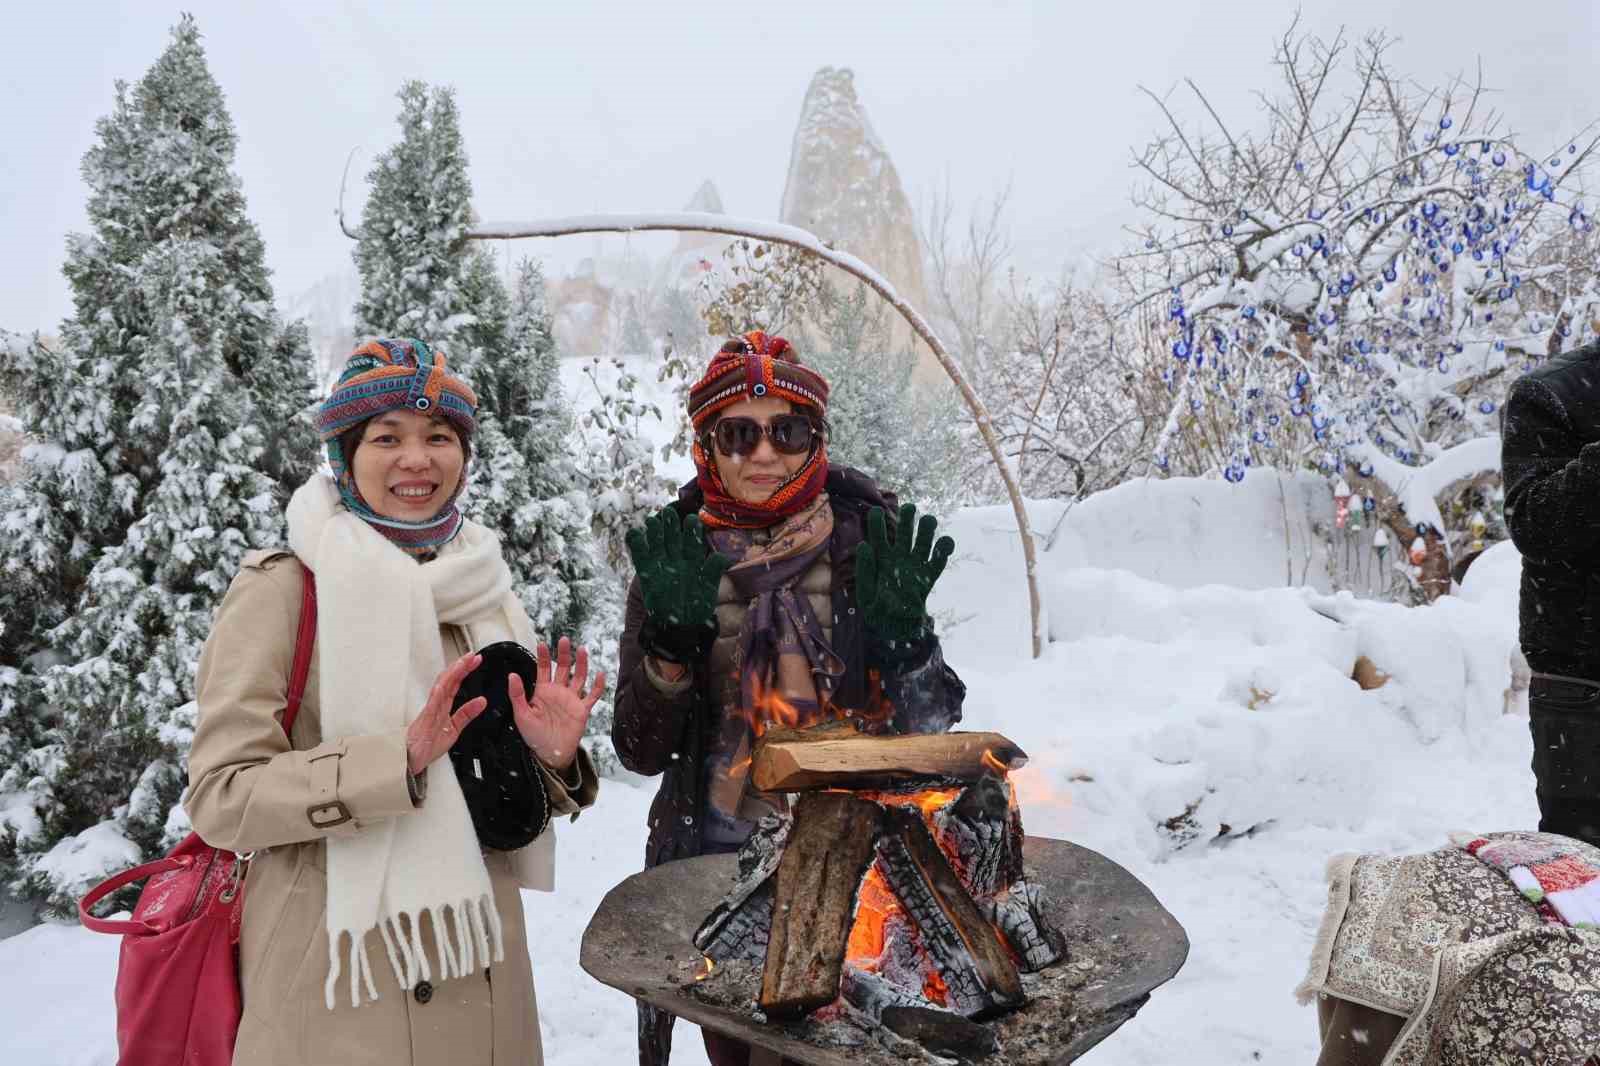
{"x":391,"y":375}
{"x":751,"y":367}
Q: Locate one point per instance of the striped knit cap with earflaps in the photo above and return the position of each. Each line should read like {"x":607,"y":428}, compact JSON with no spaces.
{"x":391,"y":375}
{"x":752,"y":367}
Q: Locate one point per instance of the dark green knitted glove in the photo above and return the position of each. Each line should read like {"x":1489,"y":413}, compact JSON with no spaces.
{"x":678,"y":580}
{"x":893,"y":579}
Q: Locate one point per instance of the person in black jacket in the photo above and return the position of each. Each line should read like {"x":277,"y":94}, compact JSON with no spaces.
{"x":1551,"y":464}
{"x":777,"y":589}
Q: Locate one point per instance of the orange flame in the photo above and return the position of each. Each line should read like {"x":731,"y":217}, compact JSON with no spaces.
{"x":1036,"y":787}
{"x":708,"y":969}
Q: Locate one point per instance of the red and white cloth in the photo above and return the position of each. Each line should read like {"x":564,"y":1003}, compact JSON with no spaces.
{"x":1557,"y":875}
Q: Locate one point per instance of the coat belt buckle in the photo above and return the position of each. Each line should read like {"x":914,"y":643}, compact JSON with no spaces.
{"x":329,"y":815}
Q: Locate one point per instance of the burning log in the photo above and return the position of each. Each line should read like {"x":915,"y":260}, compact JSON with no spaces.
{"x":737,"y":928}
{"x":814,"y":900}
{"x":831,"y":757}
{"x":982,"y":832}
{"x":872,"y":994}
{"x":984,"y":835}
{"x":978,"y":974}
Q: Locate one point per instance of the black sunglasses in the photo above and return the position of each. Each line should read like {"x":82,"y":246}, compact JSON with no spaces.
{"x":790,"y":434}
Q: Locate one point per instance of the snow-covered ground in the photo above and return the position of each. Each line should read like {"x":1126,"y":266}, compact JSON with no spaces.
{"x":1157,"y":694}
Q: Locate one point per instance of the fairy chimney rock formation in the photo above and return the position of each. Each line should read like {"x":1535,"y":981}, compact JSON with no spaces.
{"x":843,"y":187}
{"x":697,"y":252}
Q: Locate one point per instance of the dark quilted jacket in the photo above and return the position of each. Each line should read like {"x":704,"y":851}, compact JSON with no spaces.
{"x":1551,"y":464}
{"x":655,"y":733}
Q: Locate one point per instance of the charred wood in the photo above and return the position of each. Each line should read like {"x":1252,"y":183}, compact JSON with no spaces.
{"x":818,"y":877}
{"x":977,"y":971}
{"x":758,"y":861}
{"x":1019,"y":913}
{"x":872,"y":994}
{"x":982,"y":833}
{"x":940,"y":1031}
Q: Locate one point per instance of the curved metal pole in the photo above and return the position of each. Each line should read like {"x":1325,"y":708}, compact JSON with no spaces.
{"x":794,"y":237}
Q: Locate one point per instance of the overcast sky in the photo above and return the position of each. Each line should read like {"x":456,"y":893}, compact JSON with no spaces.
{"x":572,"y":107}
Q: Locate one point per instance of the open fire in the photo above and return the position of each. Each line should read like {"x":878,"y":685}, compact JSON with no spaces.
{"x":893,"y":890}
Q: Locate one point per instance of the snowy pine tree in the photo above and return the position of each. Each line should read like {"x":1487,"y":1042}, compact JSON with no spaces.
{"x":880,"y":420}
{"x":412,"y":254}
{"x":527,"y":485}
{"x":420,"y":278}
{"x":148,"y":481}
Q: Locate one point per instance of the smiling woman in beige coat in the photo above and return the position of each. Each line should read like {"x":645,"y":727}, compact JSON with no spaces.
{"x":376,"y":929}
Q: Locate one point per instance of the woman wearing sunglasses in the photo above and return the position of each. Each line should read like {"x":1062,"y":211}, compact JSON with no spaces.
{"x":776,"y":590}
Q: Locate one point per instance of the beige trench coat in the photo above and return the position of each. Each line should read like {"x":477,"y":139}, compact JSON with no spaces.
{"x":248,"y":791}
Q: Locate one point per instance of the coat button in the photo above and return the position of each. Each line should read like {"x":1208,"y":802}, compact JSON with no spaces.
{"x":423,"y":991}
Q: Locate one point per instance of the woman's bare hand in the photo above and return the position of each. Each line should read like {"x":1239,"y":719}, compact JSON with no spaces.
{"x":436,"y":728}
{"x":553,"y":721}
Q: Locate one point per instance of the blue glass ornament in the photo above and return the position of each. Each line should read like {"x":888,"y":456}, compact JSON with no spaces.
{"x":1499,"y":159}
{"x":1487,"y":407}
{"x":1249,"y":311}
{"x":1180,"y":350}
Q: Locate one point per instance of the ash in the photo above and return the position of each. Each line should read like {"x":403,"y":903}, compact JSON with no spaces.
{"x":1032,"y":1035}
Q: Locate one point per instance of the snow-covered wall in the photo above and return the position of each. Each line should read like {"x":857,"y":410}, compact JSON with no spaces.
{"x":1269,"y":531}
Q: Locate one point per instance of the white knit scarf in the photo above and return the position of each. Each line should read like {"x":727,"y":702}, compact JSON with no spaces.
{"x":379,"y":651}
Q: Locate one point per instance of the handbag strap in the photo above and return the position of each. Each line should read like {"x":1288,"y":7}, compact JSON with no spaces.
{"x":125,"y":878}
{"x":305,"y":640}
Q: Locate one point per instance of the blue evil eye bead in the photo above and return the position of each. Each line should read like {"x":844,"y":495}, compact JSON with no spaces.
{"x":1299,"y":166}
{"x":422,"y":403}
{"x":1366,"y":468}
{"x":759,"y":389}
{"x":1149,"y":244}
{"x":1299,"y":249}
{"x":1456,"y":247}
{"x":1499,"y":159}
{"x":1452,"y":148}
{"x":1446,"y":122}
{"x":1442,"y":363}
{"x":1274,"y":420}
{"x":1297,"y":409}
{"x":1444,"y":267}
{"x":1249,"y":311}
{"x":1328,"y":318}
{"x":1161,"y":462}
{"x":1302,"y":378}
{"x":1252,"y":393}
{"x":1430,"y":209}
{"x":1487,"y":407}
{"x":1180,"y":350}
{"x":1362,"y":345}
{"x":1316,"y":214}
{"x":1369,"y":504}
{"x":1318,"y":242}
{"x":1227,"y":229}
{"x":1389,"y":273}
{"x":1259,"y":436}
{"x":1555,"y":162}
{"x":1234,"y":473}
